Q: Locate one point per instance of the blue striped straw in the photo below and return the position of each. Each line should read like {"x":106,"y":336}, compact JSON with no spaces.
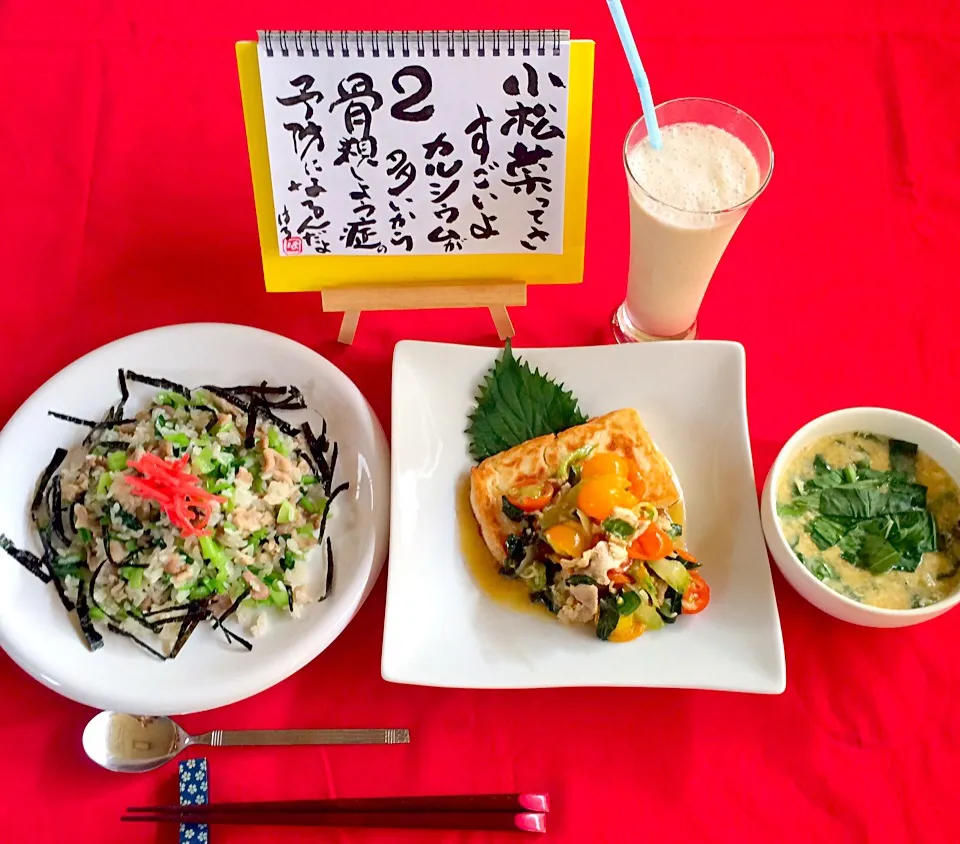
{"x":639,"y":74}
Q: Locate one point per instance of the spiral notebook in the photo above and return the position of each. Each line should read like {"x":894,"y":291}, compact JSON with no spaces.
{"x":418,"y":156}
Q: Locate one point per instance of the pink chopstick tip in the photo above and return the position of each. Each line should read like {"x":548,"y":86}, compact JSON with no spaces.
{"x":534,"y":802}
{"x":531,"y":822}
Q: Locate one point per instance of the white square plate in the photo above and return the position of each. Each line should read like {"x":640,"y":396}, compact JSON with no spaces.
{"x":441,"y":630}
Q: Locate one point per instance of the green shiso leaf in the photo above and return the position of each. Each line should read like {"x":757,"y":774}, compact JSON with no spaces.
{"x":515,"y":404}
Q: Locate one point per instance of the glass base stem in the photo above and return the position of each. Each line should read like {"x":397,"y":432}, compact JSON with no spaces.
{"x":624,"y":331}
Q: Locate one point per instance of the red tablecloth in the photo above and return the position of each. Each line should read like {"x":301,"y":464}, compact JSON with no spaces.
{"x":126,"y":204}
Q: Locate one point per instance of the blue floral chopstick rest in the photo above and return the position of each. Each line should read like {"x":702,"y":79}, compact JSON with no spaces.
{"x":194,"y":791}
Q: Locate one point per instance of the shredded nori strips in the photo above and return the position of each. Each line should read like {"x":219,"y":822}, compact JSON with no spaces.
{"x":52,"y":467}
{"x":228,"y":397}
{"x":124,"y":394}
{"x":326,"y":510}
{"x":286,"y":427}
{"x":160,"y":383}
{"x":93,"y":583}
{"x":249,"y":435}
{"x":333,"y":468}
{"x":198,"y":612}
{"x":116,"y":628}
{"x":76,"y":420}
{"x":49,"y":561}
{"x":262,"y":389}
{"x":229,"y":634}
{"x":30,"y":561}
{"x":93,"y":638}
{"x":108,"y":424}
{"x":95,"y":603}
{"x":149,"y":613}
{"x":328,"y":583}
{"x":55,"y":505}
{"x":318,"y":449}
{"x":106,"y":548}
{"x":290,"y":397}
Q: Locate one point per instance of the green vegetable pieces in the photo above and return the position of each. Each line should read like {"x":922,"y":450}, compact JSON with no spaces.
{"x":878,"y":519}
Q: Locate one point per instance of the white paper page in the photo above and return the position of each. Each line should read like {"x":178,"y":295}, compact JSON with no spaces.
{"x":418,"y":155}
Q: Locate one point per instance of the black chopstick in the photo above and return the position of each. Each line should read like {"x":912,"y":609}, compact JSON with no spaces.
{"x":465,"y":820}
{"x":431,"y":803}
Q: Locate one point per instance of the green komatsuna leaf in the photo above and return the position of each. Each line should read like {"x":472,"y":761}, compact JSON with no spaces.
{"x":618,"y":527}
{"x":608,"y":617}
{"x":794,"y":509}
{"x":516,"y":404}
{"x":852,"y":503}
{"x":913,"y":534}
{"x":877,"y":554}
{"x":903,"y":457}
{"x":826,"y":532}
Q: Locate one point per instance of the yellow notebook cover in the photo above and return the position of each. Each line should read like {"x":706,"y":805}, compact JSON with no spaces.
{"x":317,"y":272}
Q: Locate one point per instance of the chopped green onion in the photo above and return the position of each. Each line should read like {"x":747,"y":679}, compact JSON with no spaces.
{"x":308,"y":480}
{"x":96,"y":614}
{"x":85,"y":535}
{"x":275,"y":442}
{"x":306,"y":530}
{"x":176,"y":438}
{"x":278,"y":595}
{"x":258,"y":536}
{"x":286,"y":513}
{"x":212,"y":551}
{"x":313,"y":505}
{"x":131,"y":545}
{"x":103,"y":483}
{"x":171,"y":399}
{"x":133,"y":576}
{"x":117,"y":461}
{"x":289,"y":560}
{"x":648,"y":512}
{"x":199,"y":592}
{"x":222,"y":487}
{"x":203,"y":463}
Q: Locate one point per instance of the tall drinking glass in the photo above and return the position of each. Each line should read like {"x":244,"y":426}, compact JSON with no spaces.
{"x":686,"y":201}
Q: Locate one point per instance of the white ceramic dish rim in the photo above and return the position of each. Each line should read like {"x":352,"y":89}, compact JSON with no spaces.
{"x":802,"y":438}
{"x":418,"y":671}
{"x":319,"y":637}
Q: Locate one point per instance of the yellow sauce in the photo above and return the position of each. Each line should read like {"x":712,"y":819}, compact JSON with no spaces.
{"x":509,"y":591}
{"x":934,"y":579}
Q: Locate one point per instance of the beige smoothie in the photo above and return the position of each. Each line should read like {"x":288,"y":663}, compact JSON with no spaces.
{"x":683,"y":212}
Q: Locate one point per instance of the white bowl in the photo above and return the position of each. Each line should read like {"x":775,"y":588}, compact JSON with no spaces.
{"x":37,"y":634}
{"x":890,"y":423}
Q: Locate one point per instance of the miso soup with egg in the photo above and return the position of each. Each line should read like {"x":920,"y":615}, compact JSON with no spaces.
{"x":873,"y":518}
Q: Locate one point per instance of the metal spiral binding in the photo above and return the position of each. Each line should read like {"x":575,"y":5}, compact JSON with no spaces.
{"x":419,"y":43}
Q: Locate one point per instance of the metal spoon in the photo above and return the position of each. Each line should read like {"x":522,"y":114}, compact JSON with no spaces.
{"x":137,"y":743}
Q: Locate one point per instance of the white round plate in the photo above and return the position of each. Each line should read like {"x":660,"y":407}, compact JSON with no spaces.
{"x":41,"y":638}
